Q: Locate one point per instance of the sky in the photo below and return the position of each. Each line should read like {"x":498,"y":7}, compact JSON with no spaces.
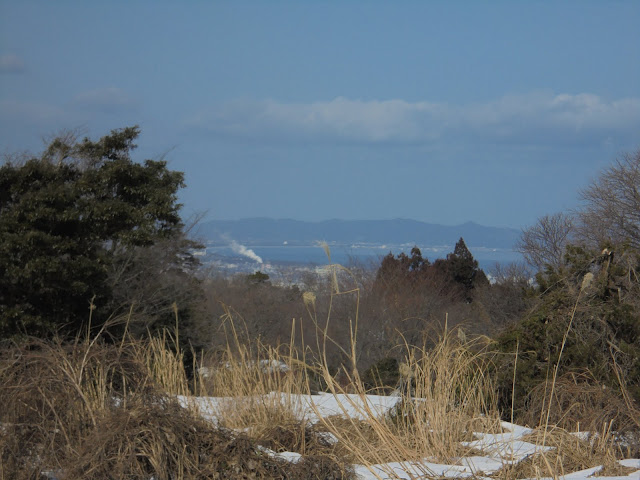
{"x":496,"y":112}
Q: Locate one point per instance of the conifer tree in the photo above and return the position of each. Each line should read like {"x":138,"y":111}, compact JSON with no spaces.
{"x":72,"y":221}
{"x":463,"y":268}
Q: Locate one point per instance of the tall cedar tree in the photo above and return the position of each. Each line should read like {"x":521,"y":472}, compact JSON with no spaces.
{"x":67,"y":218}
{"x":464,"y":268}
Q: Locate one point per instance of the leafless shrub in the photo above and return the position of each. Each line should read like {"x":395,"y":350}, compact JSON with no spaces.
{"x":611,"y":204}
{"x":517,"y":274}
{"x":543,"y":243}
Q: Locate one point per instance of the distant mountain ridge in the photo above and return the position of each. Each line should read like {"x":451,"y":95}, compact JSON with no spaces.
{"x":268,"y":231}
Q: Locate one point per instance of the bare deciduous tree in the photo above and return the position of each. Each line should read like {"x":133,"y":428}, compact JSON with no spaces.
{"x":543,"y":243}
{"x":518,"y":274}
{"x":611,"y":210}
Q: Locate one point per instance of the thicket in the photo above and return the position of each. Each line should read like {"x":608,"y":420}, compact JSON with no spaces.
{"x":583,"y":332}
{"x":567,"y":342}
{"x":402,"y":300}
{"x":578,"y":347}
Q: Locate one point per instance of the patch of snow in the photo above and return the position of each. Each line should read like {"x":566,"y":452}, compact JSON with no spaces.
{"x":631,"y":462}
{"x":499,"y":449}
{"x":348,"y":405}
{"x":327,"y":437}
{"x":273,"y":365}
{"x":504,"y":446}
{"x":516,"y":430}
{"x":584,"y":436}
{"x":292,"y":457}
{"x":413,"y":470}
{"x":483,"y":465}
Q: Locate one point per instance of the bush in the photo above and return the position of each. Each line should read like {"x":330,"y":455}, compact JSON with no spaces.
{"x":95,"y":410}
{"x":584,"y":326}
{"x":384,"y":375}
{"x":75,"y":224}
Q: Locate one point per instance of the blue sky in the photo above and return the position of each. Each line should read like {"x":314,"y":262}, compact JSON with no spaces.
{"x":446,"y":112}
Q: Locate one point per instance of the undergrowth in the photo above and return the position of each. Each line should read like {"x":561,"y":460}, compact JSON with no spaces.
{"x":94,"y":408}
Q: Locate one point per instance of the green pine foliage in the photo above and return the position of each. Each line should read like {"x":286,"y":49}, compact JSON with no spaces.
{"x":258,"y":278}
{"x":68,"y":220}
{"x":593,"y":298}
{"x":463,"y":268}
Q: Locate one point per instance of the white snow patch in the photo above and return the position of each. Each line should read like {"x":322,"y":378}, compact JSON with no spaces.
{"x":499,"y":449}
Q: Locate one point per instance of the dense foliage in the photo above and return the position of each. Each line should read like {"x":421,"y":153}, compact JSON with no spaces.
{"x":585,"y":324}
{"x":73,"y":222}
{"x":584,"y":331}
{"x":459,"y":272}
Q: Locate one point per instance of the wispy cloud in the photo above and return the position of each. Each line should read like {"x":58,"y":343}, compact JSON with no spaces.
{"x":10,"y":63}
{"x":108,"y":100}
{"x":539,"y":117}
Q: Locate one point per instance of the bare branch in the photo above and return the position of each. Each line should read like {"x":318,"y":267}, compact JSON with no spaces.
{"x":611,"y":210}
{"x":543,"y":244}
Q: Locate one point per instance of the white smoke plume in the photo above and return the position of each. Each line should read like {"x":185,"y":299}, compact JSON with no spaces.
{"x":247,"y":252}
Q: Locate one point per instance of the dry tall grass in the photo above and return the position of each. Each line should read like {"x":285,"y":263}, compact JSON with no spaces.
{"x":445,"y":395}
{"x":260,"y":385}
{"x":95,"y":409}
{"x":100,"y":410}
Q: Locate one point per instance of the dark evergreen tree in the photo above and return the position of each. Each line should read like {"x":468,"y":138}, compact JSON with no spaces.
{"x":418,"y":263}
{"x":72,"y":223}
{"x":258,"y":278}
{"x":464,"y":268}
{"x":402,"y":272}
{"x":459,"y":272}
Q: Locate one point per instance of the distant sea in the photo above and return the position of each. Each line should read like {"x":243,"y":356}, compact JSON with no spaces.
{"x":366,"y":254}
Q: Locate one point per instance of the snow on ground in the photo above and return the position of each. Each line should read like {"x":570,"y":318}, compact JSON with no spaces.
{"x":310,"y":407}
{"x":508,"y":447}
{"x":499,"y":449}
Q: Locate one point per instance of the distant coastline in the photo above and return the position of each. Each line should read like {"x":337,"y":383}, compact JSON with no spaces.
{"x":278,"y":232}
{"x":273,"y":245}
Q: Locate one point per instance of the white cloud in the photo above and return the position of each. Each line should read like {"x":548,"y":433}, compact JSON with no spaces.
{"x":79,"y":110}
{"x":11,"y":64}
{"x":341,"y":118}
{"x":538,"y":117}
{"x":110,"y":99}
